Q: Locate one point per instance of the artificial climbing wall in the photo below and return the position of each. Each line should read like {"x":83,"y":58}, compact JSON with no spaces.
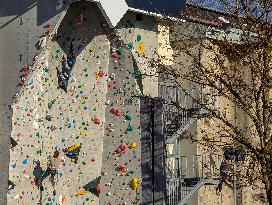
{"x":100,"y":111}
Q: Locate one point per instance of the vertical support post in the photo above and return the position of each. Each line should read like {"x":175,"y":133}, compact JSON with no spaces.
{"x":179,"y":161}
{"x":202,"y":167}
{"x":234,"y":185}
{"x":193,"y":166}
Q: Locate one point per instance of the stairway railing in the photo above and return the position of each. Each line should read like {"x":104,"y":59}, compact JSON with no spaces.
{"x":196,"y":171}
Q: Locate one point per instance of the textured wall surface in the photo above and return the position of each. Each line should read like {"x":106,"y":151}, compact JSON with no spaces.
{"x":46,"y":118}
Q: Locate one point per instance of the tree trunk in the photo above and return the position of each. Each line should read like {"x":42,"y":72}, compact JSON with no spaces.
{"x":267,"y":180}
{"x":269,"y":195}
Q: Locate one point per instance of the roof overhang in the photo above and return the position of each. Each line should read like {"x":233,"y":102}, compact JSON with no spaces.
{"x":112,"y":10}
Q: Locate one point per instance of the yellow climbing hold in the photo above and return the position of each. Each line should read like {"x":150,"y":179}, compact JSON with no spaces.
{"x":134,"y":183}
{"x":91,"y":50}
{"x":142,"y":47}
{"x":81,"y":193}
{"x":133,"y":145}
{"x":73,"y":147}
{"x":83,"y":133}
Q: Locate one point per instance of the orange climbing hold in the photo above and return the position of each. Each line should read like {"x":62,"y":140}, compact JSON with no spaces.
{"x":61,"y":199}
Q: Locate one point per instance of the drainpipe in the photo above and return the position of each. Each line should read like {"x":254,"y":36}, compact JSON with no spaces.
{"x":152,"y":116}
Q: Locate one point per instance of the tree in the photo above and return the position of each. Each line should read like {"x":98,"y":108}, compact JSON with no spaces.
{"x":236,"y":73}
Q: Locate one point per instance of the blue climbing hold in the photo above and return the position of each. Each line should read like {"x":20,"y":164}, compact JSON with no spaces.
{"x":14,"y":165}
{"x":24,"y":161}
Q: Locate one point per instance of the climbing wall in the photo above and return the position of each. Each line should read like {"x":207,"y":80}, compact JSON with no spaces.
{"x":99,"y":113}
{"x":121,"y":158}
{"x":141,"y":37}
{"x":46,"y":118}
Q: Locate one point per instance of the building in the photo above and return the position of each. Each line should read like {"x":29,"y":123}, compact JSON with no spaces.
{"x":103,"y":110}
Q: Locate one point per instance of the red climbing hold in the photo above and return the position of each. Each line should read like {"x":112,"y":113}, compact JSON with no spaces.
{"x":79,"y":19}
{"x":115,"y":55}
{"x":25,"y":68}
{"x":119,"y":112}
{"x":122,"y":168}
{"x":113,"y":110}
{"x":97,"y":120}
{"x":122,"y":148}
{"x":93,"y":159}
{"x":49,"y":24}
{"x":98,"y":187}
{"x":101,"y":73}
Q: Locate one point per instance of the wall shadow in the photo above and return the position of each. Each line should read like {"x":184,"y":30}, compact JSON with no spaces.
{"x":79,"y":26}
{"x":45,"y":9}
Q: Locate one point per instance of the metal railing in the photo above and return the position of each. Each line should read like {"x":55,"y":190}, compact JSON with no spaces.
{"x":201,"y":166}
{"x":174,"y":191}
{"x":196,"y":167}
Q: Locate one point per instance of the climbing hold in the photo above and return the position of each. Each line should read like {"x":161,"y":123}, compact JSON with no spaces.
{"x":113,"y":110}
{"x":130,"y":128}
{"x":74,"y":147}
{"x":122,"y":168}
{"x":98,"y":187}
{"x":142,"y":47}
{"x":134,"y":183}
{"x":24,"y":161}
{"x":139,"y":38}
{"x":119,"y":113}
{"x":96,"y":120}
{"x":61,"y":199}
{"x":81,"y":193}
{"x":101,"y":73}
{"x":91,"y":50}
{"x":115,"y":56}
{"x":128,"y":117}
{"x":79,"y":19}
{"x":122,"y":148}
{"x":133,"y":145}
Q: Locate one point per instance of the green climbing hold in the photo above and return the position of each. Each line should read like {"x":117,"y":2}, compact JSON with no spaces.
{"x":46,"y":79}
{"x":85,"y":69}
{"x":119,"y":52}
{"x":128,"y":117}
{"x":139,"y":38}
{"x":130,"y":128}
{"x":138,"y":94}
{"x":138,"y":74}
{"x":130,"y":46}
{"x":58,"y":50}
{"x":46,"y":69}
